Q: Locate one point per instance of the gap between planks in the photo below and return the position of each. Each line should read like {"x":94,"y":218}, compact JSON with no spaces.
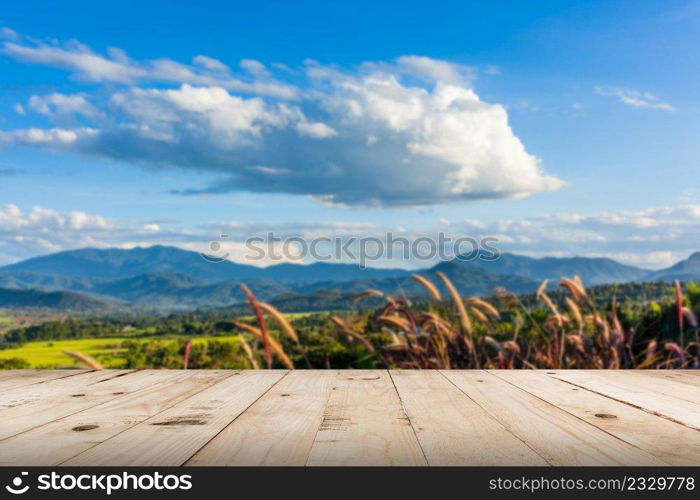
{"x":64,"y":438}
{"x":673,"y":443}
{"x":12,"y":379}
{"x":556,"y":435}
{"x":651,"y":395}
{"x":355,"y":417}
{"x":173,"y":434}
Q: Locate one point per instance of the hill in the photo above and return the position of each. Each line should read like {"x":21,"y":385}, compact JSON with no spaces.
{"x":13,"y":298}
{"x":115,"y":263}
{"x":592,"y":270}
{"x":167,"y":278}
{"x":685,"y":270}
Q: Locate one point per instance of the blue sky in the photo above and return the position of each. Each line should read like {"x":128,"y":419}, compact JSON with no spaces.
{"x":560,"y":127}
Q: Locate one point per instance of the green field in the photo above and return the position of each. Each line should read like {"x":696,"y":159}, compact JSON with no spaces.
{"x":49,"y":354}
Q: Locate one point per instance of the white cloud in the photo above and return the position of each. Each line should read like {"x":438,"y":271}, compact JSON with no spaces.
{"x":117,"y":67}
{"x":634,"y":98}
{"x":405,"y":133}
{"x":8,"y":34}
{"x":254,"y":68}
{"x":46,"y":220}
{"x":209,"y":63}
{"x":654,"y":237}
{"x":434,"y":70}
{"x":53,"y":138}
{"x":62,"y":104}
{"x":317,"y":130}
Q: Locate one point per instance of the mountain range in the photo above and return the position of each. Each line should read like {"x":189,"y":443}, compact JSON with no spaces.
{"x":168,"y":278}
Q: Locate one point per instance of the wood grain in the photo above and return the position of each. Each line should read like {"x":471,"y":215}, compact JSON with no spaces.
{"x":557,"y":436}
{"x":349,"y":417}
{"x":12,"y":379}
{"x":454,"y":430}
{"x":278,"y":429}
{"x":670,"y":442}
{"x":365,"y":424}
{"x":31,"y":406}
{"x":629,"y":389}
{"x":170,"y":437}
{"x":682,"y":376}
{"x":59,"y":440}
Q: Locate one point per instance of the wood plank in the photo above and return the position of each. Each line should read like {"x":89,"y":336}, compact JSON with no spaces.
{"x":557,"y":436}
{"x":12,"y":379}
{"x":47,"y":403}
{"x":454,"y":430}
{"x":278,"y":429}
{"x":682,"y":376}
{"x":57,"y":387}
{"x":673,"y":443}
{"x":364,"y":424}
{"x":631,"y":391}
{"x":172,"y":436}
{"x":657,"y":385}
{"x":62,"y":439}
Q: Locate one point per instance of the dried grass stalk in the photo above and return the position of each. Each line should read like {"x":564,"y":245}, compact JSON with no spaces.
{"x":574,"y":288}
{"x":463,"y":316}
{"x":84,"y":359}
{"x":432,"y":289}
{"x":261,"y":322}
{"x":286,"y":327}
{"x":274,"y":345}
{"x":249,"y":353}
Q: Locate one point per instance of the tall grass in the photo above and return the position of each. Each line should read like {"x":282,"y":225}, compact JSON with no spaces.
{"x":573,"y":333}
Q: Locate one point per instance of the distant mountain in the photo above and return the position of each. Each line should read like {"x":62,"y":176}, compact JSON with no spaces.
{"x":116,"y":263}
{"x":169,"y":278}
{"x":468,"y":280}
{"x":13,"y":298}
{"x":46,"y":282}
{"x":175,"y":291}
{"x":685,"y":270}
{"x":592,"y":270}
{"x":480,"y":280}
{"x":146,"y":286}
{"x":325,"y":271}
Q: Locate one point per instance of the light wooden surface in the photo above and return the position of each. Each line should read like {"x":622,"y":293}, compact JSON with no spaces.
{"x":349,"y":417}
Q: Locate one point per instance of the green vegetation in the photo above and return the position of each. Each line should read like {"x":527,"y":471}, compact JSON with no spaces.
{"x":119,"y":352}
{"x":48,"y":354}
{"x":631,"y":325}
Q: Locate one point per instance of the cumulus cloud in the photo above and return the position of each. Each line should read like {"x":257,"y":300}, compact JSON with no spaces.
{"x":39,"y":230}
{"x":408,"y":132}
{"x":42,"y":230}
{"x":117,"y":67}
{"x":634,"y":98}
{"x":209,"y":63}
{"x":653,"y":237}
{"x":61,"y":105}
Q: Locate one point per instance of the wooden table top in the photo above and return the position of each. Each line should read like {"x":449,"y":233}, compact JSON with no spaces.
{"x":349,"y":417}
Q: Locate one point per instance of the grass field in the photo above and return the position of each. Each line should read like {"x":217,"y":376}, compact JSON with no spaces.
{"x":49,"y":354}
